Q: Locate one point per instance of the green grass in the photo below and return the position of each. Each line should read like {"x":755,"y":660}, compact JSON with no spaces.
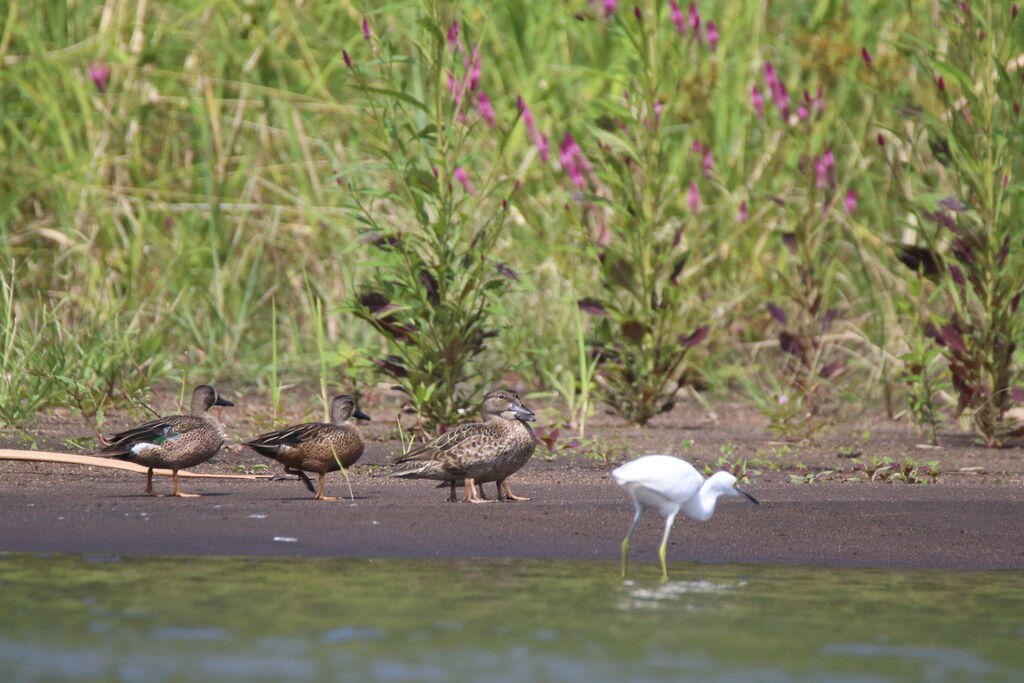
{"x":193,"y":221}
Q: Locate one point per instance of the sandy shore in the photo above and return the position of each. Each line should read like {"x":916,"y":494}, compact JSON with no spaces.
{"x":575,"y":512}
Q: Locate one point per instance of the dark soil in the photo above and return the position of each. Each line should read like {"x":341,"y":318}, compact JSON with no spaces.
{"x":970,"y":516}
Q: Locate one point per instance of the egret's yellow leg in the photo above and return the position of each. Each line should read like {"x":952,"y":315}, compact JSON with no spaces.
{"x":625,"y":541}
{"x":664,"y":544}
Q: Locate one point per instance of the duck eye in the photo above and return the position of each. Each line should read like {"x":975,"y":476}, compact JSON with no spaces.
{"x":501,"y":395}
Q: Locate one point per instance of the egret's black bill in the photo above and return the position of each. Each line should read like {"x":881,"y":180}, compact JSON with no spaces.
{"x":753,"y":500}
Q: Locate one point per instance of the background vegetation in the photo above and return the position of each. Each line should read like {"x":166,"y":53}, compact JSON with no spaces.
{"x":811,"y":203}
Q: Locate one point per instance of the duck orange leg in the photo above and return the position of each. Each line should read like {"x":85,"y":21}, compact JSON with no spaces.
{"x":177,"y":487}
{"x":320,"y":490}
{"x":504,"y":489}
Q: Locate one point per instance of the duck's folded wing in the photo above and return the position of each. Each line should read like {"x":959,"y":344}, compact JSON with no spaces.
{"x":155,"y":432}
{"x":436,"y":448}
{"x":289,"y":436}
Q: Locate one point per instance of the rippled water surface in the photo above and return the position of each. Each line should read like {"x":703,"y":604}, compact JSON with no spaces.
{"x":186,"y":619}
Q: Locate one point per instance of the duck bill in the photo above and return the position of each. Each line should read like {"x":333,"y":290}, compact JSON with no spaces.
{"x":524,"y":414}
{"x":753,"y":500}
{"x":223,"y":402}
{"x":360,"y":415}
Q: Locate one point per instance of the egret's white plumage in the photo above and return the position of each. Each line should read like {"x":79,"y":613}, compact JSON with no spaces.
{"x":668,"y":485}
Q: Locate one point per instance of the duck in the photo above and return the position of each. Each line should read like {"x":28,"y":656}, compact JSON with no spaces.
{"x":478,"y":452}
{"x":318,"y":447}
{"x":175,"y":442}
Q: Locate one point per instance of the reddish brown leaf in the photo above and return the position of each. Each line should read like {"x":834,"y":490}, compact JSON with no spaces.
{"x":953,"y":339}
{"x":698,"y":335}
{"x":593,"y":307}
{"x":776,"y":312}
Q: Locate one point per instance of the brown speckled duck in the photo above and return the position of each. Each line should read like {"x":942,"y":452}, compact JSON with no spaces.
{"x":491,"y":450}
{"x":176,"y":442}
{"x":316,"y":446}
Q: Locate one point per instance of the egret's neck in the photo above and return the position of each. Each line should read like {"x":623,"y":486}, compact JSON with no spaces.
{"x":702,"y":506}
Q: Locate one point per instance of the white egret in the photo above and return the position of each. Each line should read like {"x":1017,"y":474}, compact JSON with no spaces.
{"x":669,"y":484}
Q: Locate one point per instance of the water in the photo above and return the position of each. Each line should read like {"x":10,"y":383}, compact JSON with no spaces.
{"x":214,"y":618}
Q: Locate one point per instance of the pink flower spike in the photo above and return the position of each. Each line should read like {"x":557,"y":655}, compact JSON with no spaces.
{"x":453,"y":35}
{"x":474,"y":74}
{"x":366,"y":29}
{"x":712,"y":33}
{"x":677,"y":17}
{"x":567,"y":156}
{"x":743,"y":214}
{"x":348,"y":60}
{"x":638,"y":14}
{"x":818,"y":105}
{"x":1013,"y":12}
{"x":694,"y":21}
{"x":866,"y":56}
{"x":708,"y":162}
{"x":941,"y":83}
{"x":802,"y":112}
{"x":881,"y":140}
{"x":609,"y":7}
{"x":463,"y":177}
{"x":693,"y":197}
{"x":820,"y":172}
{"x":829,"y":160}
{"x":545,"y":149}
{"x":456,"y":89}
{"x":484,"y":108}
{"x":757,"y":101}
{"x":99,"y":72}
{"x":851,"y":201}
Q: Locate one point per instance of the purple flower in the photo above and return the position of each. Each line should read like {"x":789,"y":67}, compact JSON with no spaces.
{"x":757,"y":101}
{"x":99,"y":72}
{"x":712,"y":33}
{"x":474,"y":73}
{"x":609,"y":7}
{"x":453,"y":35}
{"x":677,"y":17}
{"x":366,"y":29}
{"x":348,"y":60}
{"x":866,"y":56}
{"x":818,"y":104}
{"x":456,"y":89}
{"x":694,"y":21}
{"x":484,"y":108}
{"x":779,"y":93}
{"x":1013,"y":12}
{"x":708,"y":163}
{"x":743,"y":214}
{"x":638,"y":14}
{"x":851,"y":201}
{"x":693,"y":197}
{"x":463,"y":177}
{"x":802,"y":112}
{"x":568,"y":158}
{"x":820,"y":172}
{"x":539,"y":141}
{"x":881,"y":140}
{"x":941,"y":83}
{"x":829,"y":160}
